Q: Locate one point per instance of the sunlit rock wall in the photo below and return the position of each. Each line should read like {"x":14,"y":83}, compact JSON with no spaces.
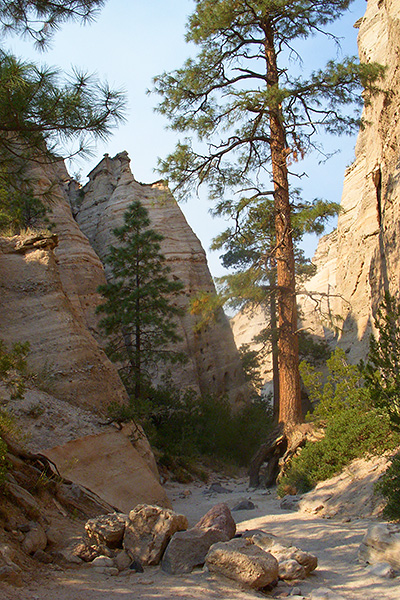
{"x":99,"y":206}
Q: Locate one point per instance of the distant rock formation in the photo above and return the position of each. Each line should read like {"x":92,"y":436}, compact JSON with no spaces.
{"x":98,"y":207}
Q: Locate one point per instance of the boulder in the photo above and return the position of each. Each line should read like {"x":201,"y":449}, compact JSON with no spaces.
{"x":219,"y":517}
{"x":103,"y":561}
{"x":35,"y":539}
{"x":290,"y":569}
{"x":306,"y":562}
{"x":188,"y":549}
{"x":122,"y":560}
{"x":243,"y":561}
{"x":149,"y":530}
{"x":24,"y":500}
{"x":381,"y":544}
{"x":244,"y":504}
{"x":107,"y":530}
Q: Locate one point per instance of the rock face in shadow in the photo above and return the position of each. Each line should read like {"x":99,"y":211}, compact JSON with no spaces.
{"x":99,"y":207}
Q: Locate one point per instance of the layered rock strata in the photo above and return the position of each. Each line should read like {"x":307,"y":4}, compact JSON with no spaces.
{"x":48,"y":297}
{"x":214,"y":364}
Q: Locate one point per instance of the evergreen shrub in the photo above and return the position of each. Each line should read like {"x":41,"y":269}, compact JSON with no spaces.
{"x":389,"y":487}
{"x":352,"y":426}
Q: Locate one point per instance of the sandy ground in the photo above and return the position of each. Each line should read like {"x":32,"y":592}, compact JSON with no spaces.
{"x":334,"y":542}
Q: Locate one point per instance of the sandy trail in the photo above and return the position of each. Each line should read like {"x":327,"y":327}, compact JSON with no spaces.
{"x":334,"y":542}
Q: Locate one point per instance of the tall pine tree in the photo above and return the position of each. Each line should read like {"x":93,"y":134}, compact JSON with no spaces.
{"x":252,"y":115}
{"x":140,"y":314}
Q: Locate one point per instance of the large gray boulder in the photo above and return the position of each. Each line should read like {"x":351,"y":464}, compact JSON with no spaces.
{"x":188,"y":549}
{"x":381,"y":544}
{"x":149,"y":530}
{"x":243,"y":561}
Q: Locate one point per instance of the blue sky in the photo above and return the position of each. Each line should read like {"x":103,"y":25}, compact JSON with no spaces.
{"x":132,"y":41}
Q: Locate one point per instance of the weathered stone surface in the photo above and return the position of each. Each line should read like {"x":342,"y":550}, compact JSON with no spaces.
{"x":109,"y":465}
{"x":219,"y":517}
{"x":290,"y":569}
{"x":149,"y":530}
{"x":381,"y":544}
{"x":188,"y":549}
{"x":214,"y":364}
{"x":245,"y":504}
{"x":107,"y":529}
{"x":35,"y":539}
{"x":24,"y":499}
{"x":103,"y":561}
{"x":243,"y":561}
{"x":382,"y":570}
{"x":122,"y":560}
{"x":10,"y":574}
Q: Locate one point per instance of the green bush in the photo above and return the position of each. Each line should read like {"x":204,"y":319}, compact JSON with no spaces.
{"x":182,"y":424}
{"x":350,"y":434}
{"x":389,"y":487}
{"x":352,"y":427}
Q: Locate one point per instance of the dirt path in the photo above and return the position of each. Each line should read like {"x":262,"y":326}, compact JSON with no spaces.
{"x":334,"y":542}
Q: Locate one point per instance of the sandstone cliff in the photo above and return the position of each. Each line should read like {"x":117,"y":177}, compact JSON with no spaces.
{"x":360,"y":260}
{"x":98,"y":208}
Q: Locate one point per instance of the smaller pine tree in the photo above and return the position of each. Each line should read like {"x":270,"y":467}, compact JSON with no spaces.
{"x":140,"y":316}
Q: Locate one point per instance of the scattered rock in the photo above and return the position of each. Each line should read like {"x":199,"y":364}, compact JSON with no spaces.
{"x":188,"y":549}
{"x":290,"y":502}
{"x":290,"y":569}
{"x":244,"y":505}
{"x":35,"y":539}
{"x":24,"y":499}
{"x":43,"y":557}
{"x":382,"y":570}
{"x":107,"y":530}
{"x":219,"y":517}
{"x":122,"y":560}
{"x":103,"y":561}
{"x":381,"y":544}
{"x":149,"y":530}
{"x":218,"y":489}
{"x":243,"y":561}
{"x":11,"y":574}
{"x":325,"y":594}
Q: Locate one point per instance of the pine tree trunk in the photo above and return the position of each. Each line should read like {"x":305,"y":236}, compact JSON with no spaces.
{"x":290,"y":413}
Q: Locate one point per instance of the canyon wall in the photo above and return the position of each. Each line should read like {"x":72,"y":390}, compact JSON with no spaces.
{"x":360,"y":260}
{"x":98,"y":207}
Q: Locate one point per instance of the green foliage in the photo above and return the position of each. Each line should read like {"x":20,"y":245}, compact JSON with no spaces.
{"x":352,"y":427}
{"x":389,"y":486}
{"x":180,"y":424}
{"x":39,"y":19}
{"x":43,"y":113}
{"x":13,"y":368}
{"x":140,"y":313}
{"x":13,"y":373}
{"x":349,"y":434}
{"x":342,"y":390}
{"x":382,"y":373}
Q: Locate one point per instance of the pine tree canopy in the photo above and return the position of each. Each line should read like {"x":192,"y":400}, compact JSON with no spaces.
{"x":40,"y":18}
{"x":45,"y":115}
{"x":225,"y":94}
{"x":250,"y":110}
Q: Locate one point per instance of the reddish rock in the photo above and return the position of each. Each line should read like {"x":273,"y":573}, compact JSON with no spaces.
{"x":219,"y":517}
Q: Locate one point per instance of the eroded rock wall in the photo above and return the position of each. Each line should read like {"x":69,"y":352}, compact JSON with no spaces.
{"x":214,"y":364}
{"x":48,"y":297}
{"x":363,"y":254}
